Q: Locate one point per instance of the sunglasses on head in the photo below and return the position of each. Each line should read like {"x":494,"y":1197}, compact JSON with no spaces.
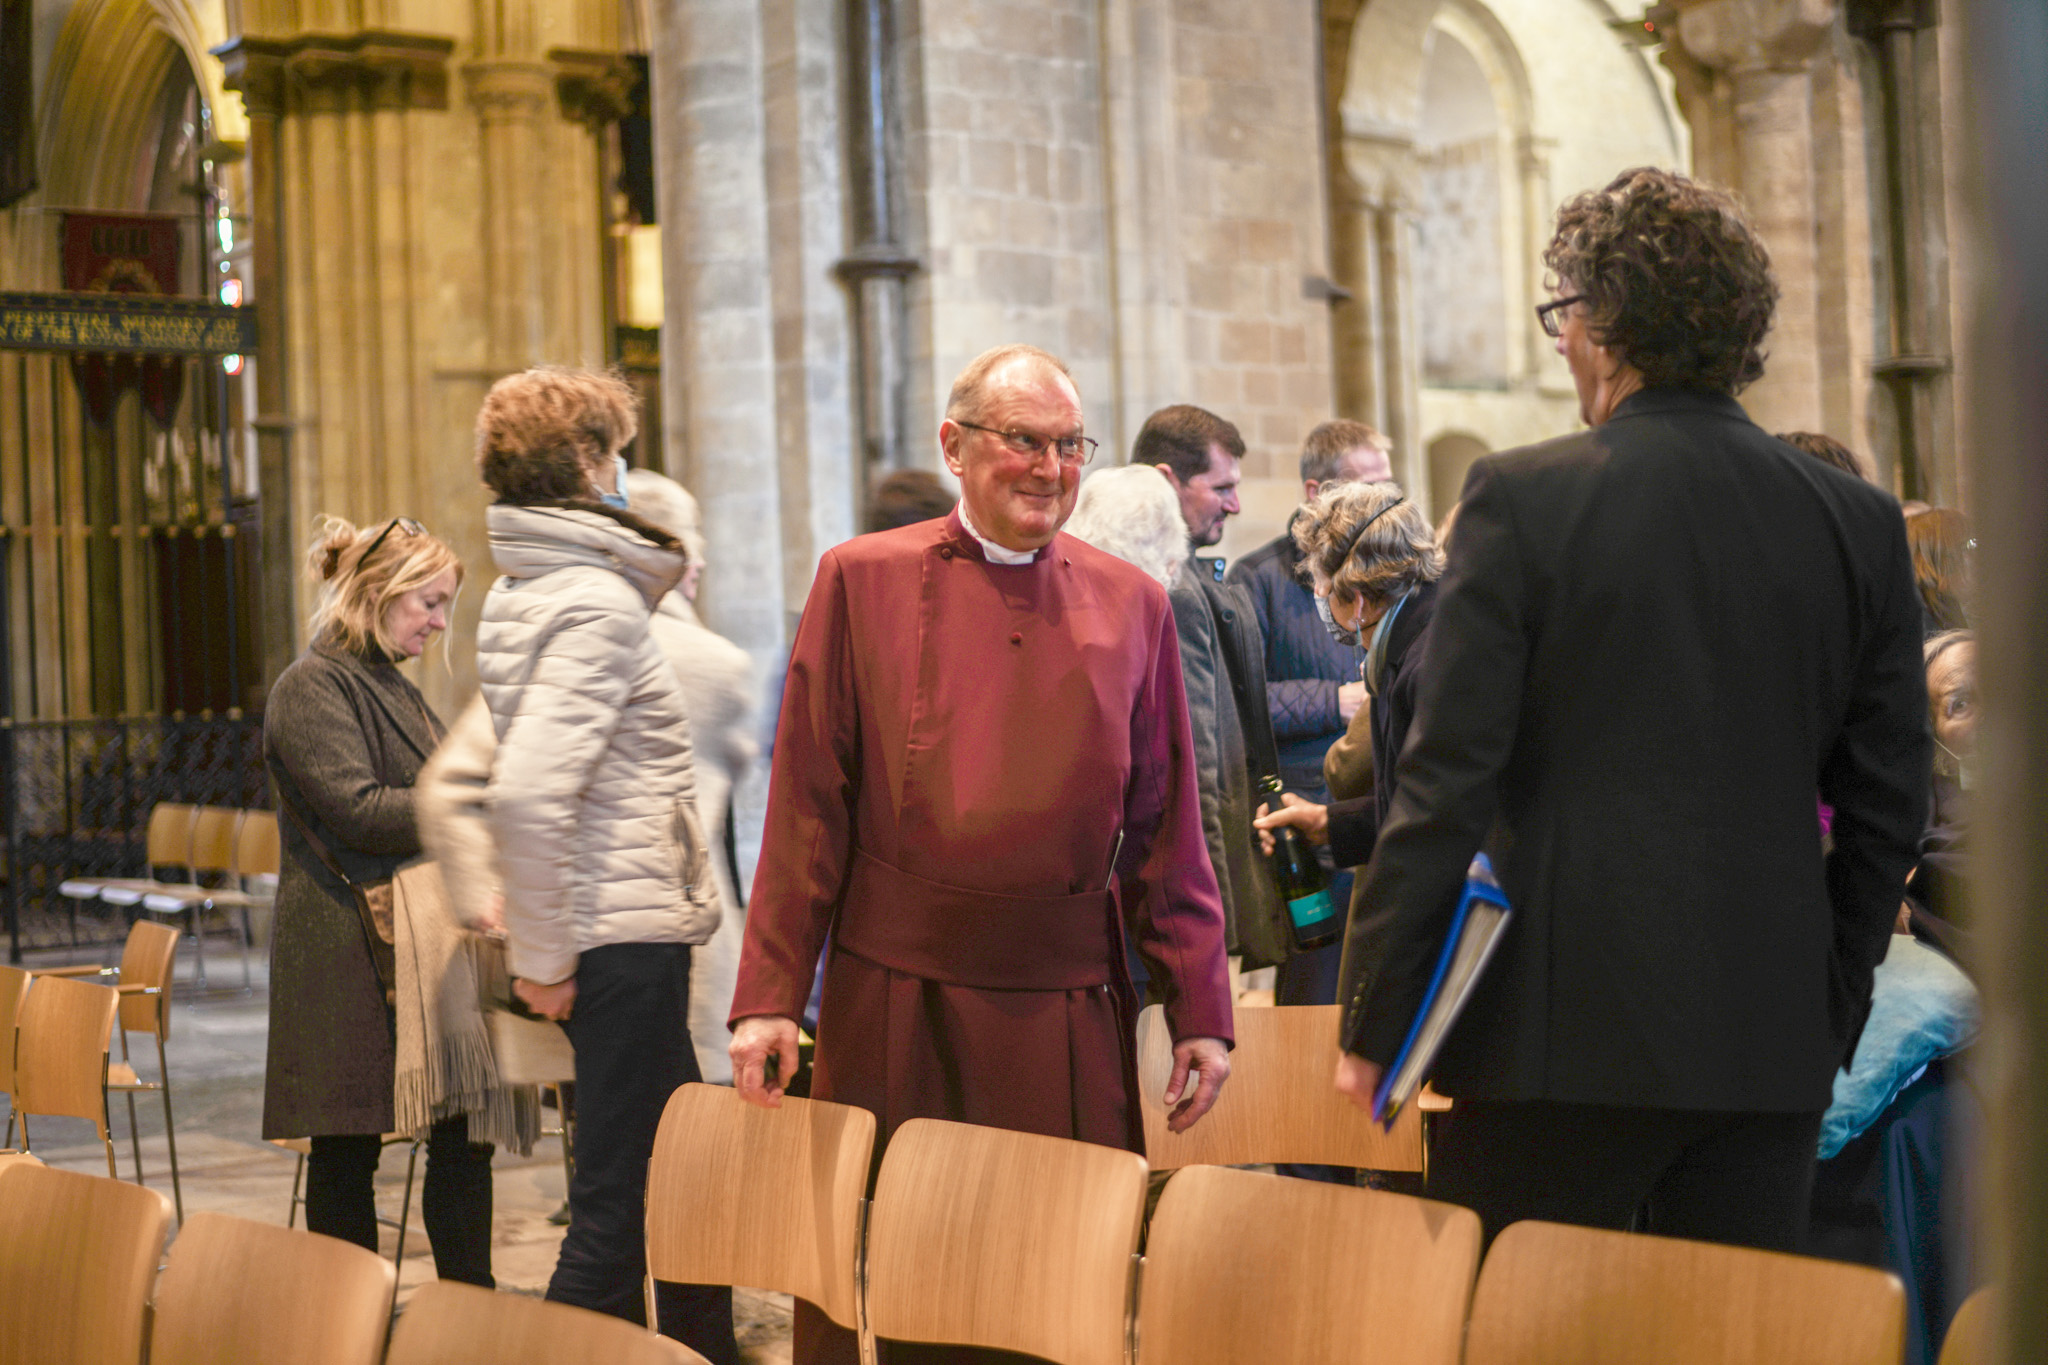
{"x":407,"y":524}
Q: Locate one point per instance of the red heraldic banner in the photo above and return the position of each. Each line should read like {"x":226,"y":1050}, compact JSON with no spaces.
{"x":124,"y":253}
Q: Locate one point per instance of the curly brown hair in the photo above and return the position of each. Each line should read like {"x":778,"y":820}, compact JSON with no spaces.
{"x":537,"y":428}
{"x":1673,"y":278}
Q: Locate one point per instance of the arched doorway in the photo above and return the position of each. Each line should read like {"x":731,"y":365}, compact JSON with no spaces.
{"x":1450,"y":457}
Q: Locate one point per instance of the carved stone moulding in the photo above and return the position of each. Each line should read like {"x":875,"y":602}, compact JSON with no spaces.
{"x":321,"y":70}
{"x":594,"y":87}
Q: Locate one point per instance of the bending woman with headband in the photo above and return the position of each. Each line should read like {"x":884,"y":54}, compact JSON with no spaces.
{"x":344,"y":736}
{"x":1374,"y":564}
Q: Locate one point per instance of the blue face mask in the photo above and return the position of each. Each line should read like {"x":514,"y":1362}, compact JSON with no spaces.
{"x":617,"y":499}
{"x":1330,"y":624}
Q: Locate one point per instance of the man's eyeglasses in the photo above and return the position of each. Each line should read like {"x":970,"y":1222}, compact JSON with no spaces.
{"x":1073,"y":451}
{"x":1547,"y":313}
{"x":407,"y":524}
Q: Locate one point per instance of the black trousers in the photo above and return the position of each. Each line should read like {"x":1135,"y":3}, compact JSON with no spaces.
{"x":630,"y":1027}
{"x":455,"y":1198}
{"x":1739,"y":1178}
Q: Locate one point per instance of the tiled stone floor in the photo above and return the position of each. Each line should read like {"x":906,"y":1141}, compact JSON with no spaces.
{"x":216,"y":1049}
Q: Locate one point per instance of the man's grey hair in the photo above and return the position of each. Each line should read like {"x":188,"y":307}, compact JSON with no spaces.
{"x":1332,"y":441}
{"x":1132,"y":512}
{"x":970,"y":390}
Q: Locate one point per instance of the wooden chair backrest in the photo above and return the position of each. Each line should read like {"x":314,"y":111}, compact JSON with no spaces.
{"x":168,"y":840}
{"x":985,"y":1237}
{"x":769,"y":1198}
{"x":213,"y":838}
{"x":1555,"y":1295}
{"x":241,"y":1290}
{"x":60,"y":1055}
{"x":463,"y":1324}
{"x":1280,"y":1105}
{"x":77,"y":1254}
{"x":1226,"y":1278}
{"x":13,"y":981}
{"x":147,"y":960}
{"x":256,"y":851}
{"x":1971,"y":1335}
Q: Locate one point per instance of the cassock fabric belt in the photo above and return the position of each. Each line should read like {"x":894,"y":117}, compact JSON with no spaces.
{"x":978,"y":938}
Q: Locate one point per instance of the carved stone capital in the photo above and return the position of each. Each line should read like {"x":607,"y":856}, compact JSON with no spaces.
{"x":320,"y":70}
{"x":254,"y":67}
{"x":594,"y":87}
{"x":510,"y":90}
{"x":1382,"y":172}
{"x":1743,"y":36}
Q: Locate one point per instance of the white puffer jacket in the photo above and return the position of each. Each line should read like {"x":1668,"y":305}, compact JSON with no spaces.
{"x":591,"y":797}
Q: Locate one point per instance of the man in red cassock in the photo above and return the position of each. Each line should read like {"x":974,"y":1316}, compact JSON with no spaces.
{"x":983,"y":773}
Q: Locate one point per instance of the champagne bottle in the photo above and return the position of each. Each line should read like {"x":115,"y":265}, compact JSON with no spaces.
{"x":1311,"y":913}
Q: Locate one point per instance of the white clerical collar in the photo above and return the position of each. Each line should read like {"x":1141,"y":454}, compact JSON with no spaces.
{"x":994,"y":553}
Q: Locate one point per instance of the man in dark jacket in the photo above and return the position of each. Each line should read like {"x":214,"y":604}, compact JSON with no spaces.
{"x":1655,"y":643}
{"x":1312,"y":685}
{"x":1220,"y":651}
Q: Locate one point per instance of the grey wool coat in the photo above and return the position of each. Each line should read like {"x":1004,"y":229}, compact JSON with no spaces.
{"x":344,"y":737}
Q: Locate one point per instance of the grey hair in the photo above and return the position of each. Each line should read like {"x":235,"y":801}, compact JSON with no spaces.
{"x":668,"y":505}
{"x":1131,"y":511}
{"x":1398,"y":550}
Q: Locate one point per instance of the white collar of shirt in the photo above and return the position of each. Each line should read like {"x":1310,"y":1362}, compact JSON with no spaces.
{"x":996,"y":554}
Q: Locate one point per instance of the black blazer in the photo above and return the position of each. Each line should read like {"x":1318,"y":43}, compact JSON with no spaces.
{"x":1656,"y":643}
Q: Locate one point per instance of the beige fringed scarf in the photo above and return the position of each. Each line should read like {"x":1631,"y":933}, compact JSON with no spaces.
{"x":445,"y":1065}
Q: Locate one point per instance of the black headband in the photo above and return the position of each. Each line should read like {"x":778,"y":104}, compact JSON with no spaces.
{"x":1360,"y":533}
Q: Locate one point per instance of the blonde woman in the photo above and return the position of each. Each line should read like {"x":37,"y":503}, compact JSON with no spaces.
{"x":344,"y":736}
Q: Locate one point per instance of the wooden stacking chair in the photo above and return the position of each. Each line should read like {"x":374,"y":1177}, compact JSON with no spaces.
{"x":1970,"y":1337}
{"x":13,"y":982}
{"x":985,"y":1237}
{"x":767,"y":1198}
{"x":14,"y":1158}
{"x":167,"y":848}
{"x":1280,"y":1105}
{"x":241,"y":1290}
{"x":143,"y":982}
{"x":77,"y":1254}
{"x":60,"y":1054}
{"x":447,"y":1323}
{"x":251,"y":876}
{"x":1555,"y":1295}
{"x":1242,"y":1266}
{"x":213,"y":855}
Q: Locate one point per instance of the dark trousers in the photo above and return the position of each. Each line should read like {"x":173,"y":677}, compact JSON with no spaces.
{"x":630,"y":1026}
{"x":455,"y":1198}
{"x":1743,"y":1179}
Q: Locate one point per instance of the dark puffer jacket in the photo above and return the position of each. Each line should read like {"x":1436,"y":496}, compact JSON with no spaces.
{"x":1304,"y":666}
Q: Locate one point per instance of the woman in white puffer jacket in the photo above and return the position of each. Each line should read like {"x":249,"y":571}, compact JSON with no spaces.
{"x":591,"y":803}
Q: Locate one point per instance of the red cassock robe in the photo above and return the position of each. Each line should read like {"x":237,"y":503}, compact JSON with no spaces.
{"x":963,"y":748}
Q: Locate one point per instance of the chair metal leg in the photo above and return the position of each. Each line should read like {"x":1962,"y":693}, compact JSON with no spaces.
{"x":198,"y":948}
{"x":412,"y":1161}
{"x":163,"y":1076}
{"x":135,"y":1138}
{"x":291,"y":1213}
{"x":248,"y":944}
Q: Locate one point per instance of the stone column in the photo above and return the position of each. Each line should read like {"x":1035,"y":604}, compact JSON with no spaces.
{"x":1378,"y":373}
{"x":718,"y":347}
{"x":512,"y":99}
{"x":1760,"y":53}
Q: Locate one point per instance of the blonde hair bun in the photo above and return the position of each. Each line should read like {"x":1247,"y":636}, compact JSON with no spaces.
{"x":331,"y":544}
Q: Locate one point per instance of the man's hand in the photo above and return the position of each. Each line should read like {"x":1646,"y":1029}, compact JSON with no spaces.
{"x":764,"y":1057}
{"x":549,"y":1002}
{"x":1209,"y":1061}
{"x":1350,"y":696}
{"x":1312,"y":820}
{"x":1357,"y":1080}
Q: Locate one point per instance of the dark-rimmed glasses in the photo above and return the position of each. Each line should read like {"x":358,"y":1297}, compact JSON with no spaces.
{"x":1073,"y":451}
{"x":1547,"y":313}
{"x":411,"y":528}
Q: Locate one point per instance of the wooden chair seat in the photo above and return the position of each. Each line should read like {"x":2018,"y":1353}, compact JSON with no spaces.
{"x":462,"y":1324}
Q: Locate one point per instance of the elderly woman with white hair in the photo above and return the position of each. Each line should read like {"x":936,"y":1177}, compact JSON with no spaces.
{"x":1133,"y":513}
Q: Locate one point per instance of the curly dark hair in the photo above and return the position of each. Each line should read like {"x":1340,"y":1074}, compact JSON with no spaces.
{"x":1674,"y":279}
